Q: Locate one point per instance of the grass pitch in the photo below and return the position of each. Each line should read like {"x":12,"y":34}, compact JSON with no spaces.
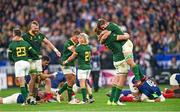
{"x":99,"y":105}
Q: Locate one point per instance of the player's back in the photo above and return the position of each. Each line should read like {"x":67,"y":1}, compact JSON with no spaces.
{"x":149,"y":88}
{"x":19,"y":50}
{"x":84,"y":56}
{"x":59,"y":77}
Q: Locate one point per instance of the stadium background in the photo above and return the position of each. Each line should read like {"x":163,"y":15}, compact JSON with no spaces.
{"x":152,"y":24}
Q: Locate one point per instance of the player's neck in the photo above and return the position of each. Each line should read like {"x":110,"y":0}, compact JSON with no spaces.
{"x":17,"y":38}
{"x":30,"y":32}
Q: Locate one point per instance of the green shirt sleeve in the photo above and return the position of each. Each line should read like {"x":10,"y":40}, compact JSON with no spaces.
{"x":32,"y":52}
{"x":10,"y":55}
{"x":78,"y":49}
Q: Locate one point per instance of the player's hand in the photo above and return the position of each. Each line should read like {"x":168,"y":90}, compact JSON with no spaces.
{"x":65,"y":62}
{"x":137,"y":84}
{"x":58,"y":54}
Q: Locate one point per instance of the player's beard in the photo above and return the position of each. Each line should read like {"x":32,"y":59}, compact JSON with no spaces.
{"x":35,"y":31}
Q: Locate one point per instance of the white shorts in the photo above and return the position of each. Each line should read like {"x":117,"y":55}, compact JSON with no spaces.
{"x":11,"y":99}
{"x":83,"y":74}
{"x":173,"y":80}
{"x":131,"y":85}
{"x":121,"y":67}
{"x":69,"y":70}
{"x":22,"y":68}
{"x":36,"y":65}
{"x":127,"y":47}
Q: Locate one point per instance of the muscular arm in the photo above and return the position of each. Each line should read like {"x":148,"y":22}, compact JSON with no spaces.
{"x":105,"y":34}
{"x":33,"y":52}
{"x":46,"y":41}
{"x":72,"y":57}
{"x":123,"y":37}
{"x":71,"y":48}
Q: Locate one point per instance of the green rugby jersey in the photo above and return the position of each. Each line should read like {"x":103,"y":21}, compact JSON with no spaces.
{"x":115,"y":47}
{"x":21,"y":50}
{"x":67,"y":53}
{"x":115,"y":29}
{"x":35,"y":41}
{"x":84,"y":56}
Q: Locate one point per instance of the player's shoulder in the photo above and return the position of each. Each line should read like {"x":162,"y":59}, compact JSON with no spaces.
{"x":41,"y":34}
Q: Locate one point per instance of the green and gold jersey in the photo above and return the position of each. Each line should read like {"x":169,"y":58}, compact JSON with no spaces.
{"x":116,"y":29}
{"x":113,"y":44}
{"x":35,"y":41}
{"x":67,"y":53}
{"x":84,"y":56}
{"x":115,"y":47}
{"x":21,"y":50}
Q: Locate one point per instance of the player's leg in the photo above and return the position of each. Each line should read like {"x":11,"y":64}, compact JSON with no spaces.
{"x":70,"y":78}
{"x":128,"y":54}
{"x":82,"y":81}
{"x":89,"y":87}
{"x":33,"y":75}
{"x":48,"y":95}
{"x":1,"y":100}
{"x":21,"y":70}
{"x":120,"y":84}
{"x":122,"y":70}
{"x":113,"y":91}
{"x":10,"y":99}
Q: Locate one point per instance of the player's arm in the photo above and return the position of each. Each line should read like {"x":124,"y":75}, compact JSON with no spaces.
{"x":71,"y":48}
{"x":46,"y":75}
{"x":123,"y":37}
{"x":32,"y":52}
{"x":72,"y":57}
{"x":46,"y":41}
{"x":104,"y":35}
{"x":10,"y":55}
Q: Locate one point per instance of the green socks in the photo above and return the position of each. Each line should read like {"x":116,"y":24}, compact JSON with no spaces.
{"x":135,"y":70}
{"x":83,"y":90}
{"x":63,"y":88}
{"x":113,"y":91}
{"x":24,"y":92}
{"x":117,"y":94}
{"x":69,"y":90}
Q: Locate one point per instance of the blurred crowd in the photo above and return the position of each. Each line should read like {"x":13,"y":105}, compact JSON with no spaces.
{"x":154,"y":25}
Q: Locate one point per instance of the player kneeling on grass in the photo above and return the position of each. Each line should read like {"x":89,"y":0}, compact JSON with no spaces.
{"x":19,"y":52}
{"x":83,"y":54}
{"x":147,"y":89}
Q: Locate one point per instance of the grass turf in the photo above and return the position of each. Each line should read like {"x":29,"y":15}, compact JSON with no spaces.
{"x":99,"y":105}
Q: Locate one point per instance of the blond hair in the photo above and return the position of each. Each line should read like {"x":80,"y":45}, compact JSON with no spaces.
{"x":85,"y":36}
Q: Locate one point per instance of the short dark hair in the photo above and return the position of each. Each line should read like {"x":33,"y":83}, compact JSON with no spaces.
{"x":33,"y":22}
{"x":76,"y":32}
{"x":101,"y":22}
{"x":17,"y":31}
{"x":45,"y":58}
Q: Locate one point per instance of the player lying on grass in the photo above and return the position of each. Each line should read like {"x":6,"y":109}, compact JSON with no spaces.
{"x":83,"y":55}
{"x":174,"y":90}
{"x":18,"y":98}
